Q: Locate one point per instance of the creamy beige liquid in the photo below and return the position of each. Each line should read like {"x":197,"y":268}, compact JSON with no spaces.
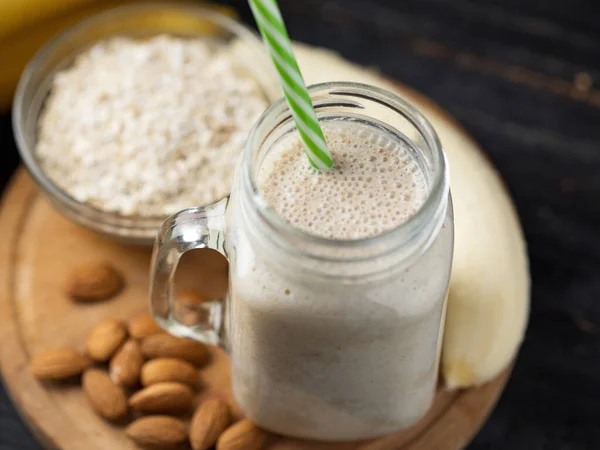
{"x":331,"y":360}
{"x":375,"y":185}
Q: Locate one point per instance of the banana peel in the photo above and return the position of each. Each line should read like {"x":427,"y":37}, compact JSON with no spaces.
{"x":20,"y":14}
{"x":488,"y":300}
{"x":26,"y":25}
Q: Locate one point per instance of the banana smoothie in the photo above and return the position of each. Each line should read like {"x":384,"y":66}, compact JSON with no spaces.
{"x":353,"y":352}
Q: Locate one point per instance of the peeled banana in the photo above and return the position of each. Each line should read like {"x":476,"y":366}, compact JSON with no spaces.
{"x":488,"y":302}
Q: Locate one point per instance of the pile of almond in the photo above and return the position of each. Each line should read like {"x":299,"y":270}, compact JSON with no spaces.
{"x":134,"y":372}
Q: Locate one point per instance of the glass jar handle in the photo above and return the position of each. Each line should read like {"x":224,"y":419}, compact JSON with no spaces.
{"x":190,"y":229}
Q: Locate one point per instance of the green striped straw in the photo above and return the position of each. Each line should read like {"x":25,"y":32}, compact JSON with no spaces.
{"x":270,"y":23}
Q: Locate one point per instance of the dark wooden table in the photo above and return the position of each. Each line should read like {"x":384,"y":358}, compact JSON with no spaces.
{"x":520,"y":77}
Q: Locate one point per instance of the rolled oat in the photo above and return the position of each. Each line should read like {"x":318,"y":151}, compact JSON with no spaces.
{"x":148,"y":127}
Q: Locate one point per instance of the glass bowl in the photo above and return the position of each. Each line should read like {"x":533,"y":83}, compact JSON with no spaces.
{"x":136,"y":21}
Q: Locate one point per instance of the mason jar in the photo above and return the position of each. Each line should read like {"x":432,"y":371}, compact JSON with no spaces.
{"x":329,"y":339}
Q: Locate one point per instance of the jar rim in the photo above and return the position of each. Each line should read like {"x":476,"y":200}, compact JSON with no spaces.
{"x":395,"y":237}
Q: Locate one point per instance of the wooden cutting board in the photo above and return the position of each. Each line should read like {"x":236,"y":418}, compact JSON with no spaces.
{"x":40,"y":248}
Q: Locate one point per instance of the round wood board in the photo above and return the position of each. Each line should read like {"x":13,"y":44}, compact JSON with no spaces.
{"x":41,"y":248}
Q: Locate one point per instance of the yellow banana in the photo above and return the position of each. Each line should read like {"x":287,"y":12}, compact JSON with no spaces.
{"x":19,"y":14}
{"x":23,"y":32}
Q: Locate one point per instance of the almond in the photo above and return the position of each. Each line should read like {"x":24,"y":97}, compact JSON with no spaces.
{"x":143,"y":326}
{"x":210,"y":420}
{"x":105,"y":338}
{"x":157,"y":432}
{"x":167,"y":346}
{"x":94,"y":282}
{"x":190,"y":314}
{"x":243,"y":435}
{"x":163,"y":398}
{"x":191,"y":297}
{"x":58,"y":364}
{"x":190,"y":309}
{"x":169,"y":369}
{"x":107,"y":399}
{"x":126,"y":365}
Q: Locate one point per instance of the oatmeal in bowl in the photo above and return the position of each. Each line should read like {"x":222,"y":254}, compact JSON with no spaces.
{"x":123,"y":125}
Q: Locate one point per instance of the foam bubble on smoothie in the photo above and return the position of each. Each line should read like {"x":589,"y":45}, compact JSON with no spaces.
{"x":375,"y":185}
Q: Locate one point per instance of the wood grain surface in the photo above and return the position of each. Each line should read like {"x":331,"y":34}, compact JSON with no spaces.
{"x":35,"y":314}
